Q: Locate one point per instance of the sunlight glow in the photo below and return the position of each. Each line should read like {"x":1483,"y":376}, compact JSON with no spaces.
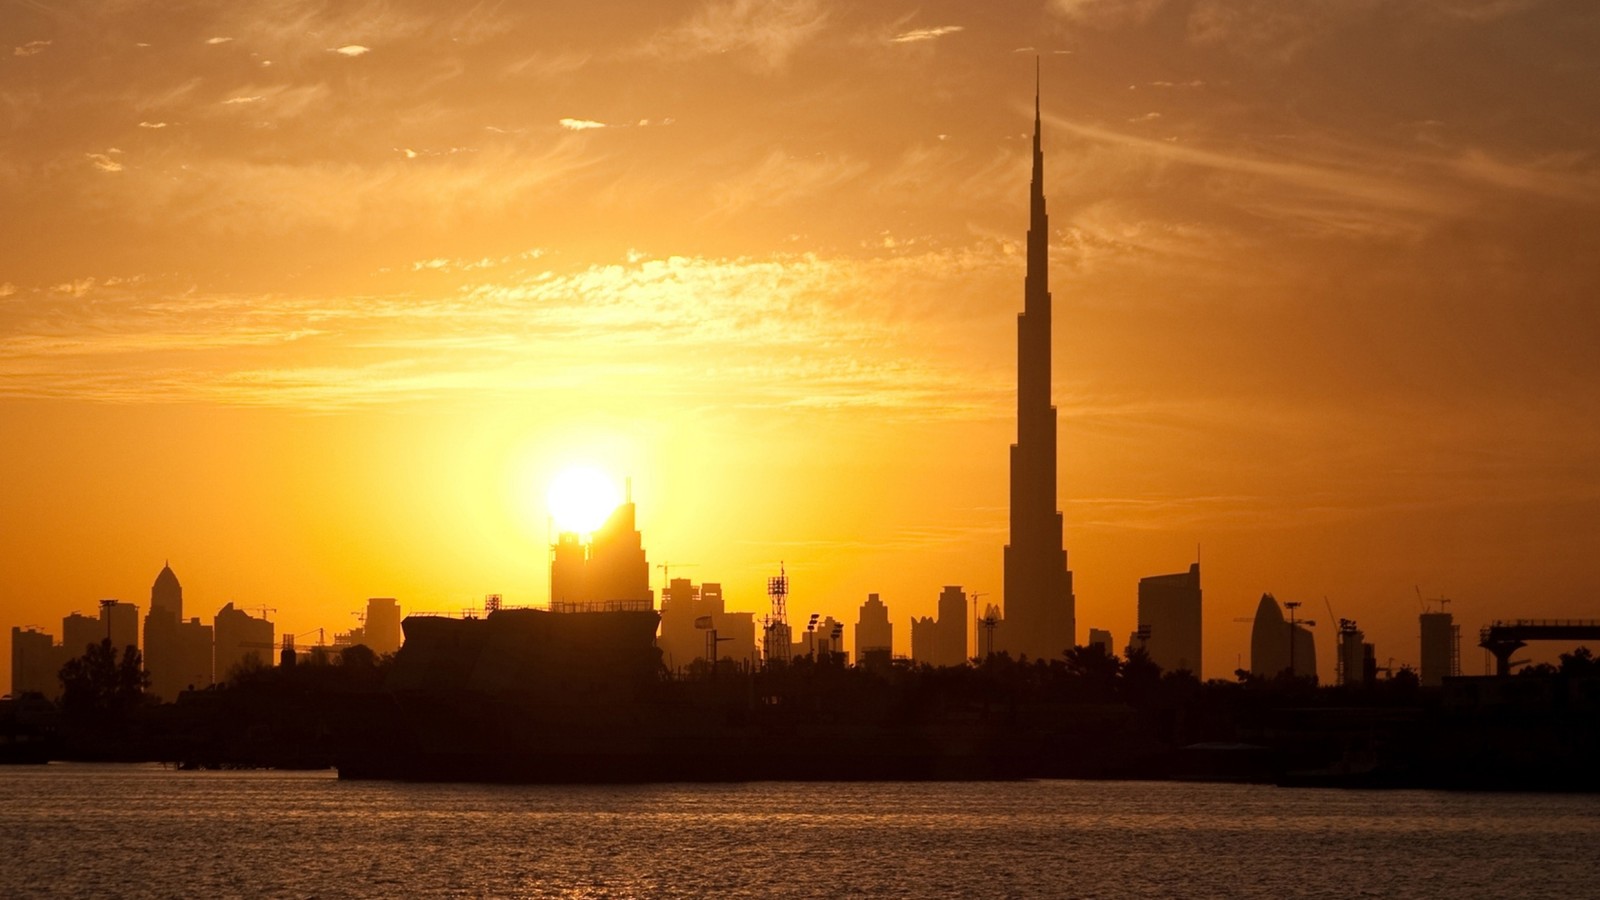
{"x":580,"y":499}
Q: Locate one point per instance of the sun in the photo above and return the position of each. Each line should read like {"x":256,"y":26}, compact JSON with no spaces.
{"x":580,"y":499}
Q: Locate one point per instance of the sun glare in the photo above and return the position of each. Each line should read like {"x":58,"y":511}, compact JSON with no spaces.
{"x":581,"y":498}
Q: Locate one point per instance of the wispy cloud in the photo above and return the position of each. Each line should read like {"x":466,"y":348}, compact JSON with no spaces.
{"x":31,"y":48}
{"x":764,"y":32}
{"x":105,"y":162}
{"x":798,"y":331}
{"x":351,"y":50}
{"x":581,"y":124}
{"x":219,"y":40}
{"x":925,"y":34}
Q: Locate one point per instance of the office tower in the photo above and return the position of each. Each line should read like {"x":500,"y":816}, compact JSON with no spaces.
{"x":161,"y":652}
{"x":35,"y":663}
{"x":1039,"y":605}
{"x":874,"y":632}
{"x":1277,"y":647}
{"x":78,"y":632}
{"x":166,"y":593}
{"x":952,"y":640}
{"x":121,"y":621}
{"x":610,"y":572}
{"x":1169,"y":617}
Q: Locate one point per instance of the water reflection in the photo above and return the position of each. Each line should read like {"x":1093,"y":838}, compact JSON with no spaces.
{"x":145,"y":831}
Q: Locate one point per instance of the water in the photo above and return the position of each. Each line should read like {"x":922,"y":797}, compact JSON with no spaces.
{"x":143,"y":831}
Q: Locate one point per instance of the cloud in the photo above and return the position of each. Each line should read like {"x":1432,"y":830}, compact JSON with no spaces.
{"x":152,"y":124}
{"x":1106,"y":13}
{"x":925,"y":34}
{"x":31,"y":48}
{"x":233,"y":101}
{"x":765,"y":32}
{"x":7,"y":289}
{"x":104,"y":162}
{"x":351,"y":50}
{"x":787,"y":330}
{"x":581,"y":124}
{"x":781,"y":179}
{"x":219,"y":40}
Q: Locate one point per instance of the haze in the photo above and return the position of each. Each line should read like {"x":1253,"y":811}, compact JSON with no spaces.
{"x":313,"y":300}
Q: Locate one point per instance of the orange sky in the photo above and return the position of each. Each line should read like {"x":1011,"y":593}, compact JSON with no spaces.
{"x":313,"y":298}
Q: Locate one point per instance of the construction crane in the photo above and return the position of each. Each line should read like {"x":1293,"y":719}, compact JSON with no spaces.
{"x":666,"y":571}
{"x":1291,"y":606}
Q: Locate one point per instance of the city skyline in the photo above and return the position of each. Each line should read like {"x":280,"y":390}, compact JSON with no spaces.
{"x":316,"y":310}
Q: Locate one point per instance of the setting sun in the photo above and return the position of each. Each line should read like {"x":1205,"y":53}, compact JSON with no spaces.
{"x":580,"y":498}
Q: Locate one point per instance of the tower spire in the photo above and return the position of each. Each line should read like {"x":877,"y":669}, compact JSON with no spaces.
{"x":1039,"y":604}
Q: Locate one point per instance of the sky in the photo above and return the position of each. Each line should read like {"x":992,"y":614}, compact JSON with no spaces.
{"x":313,"y":299}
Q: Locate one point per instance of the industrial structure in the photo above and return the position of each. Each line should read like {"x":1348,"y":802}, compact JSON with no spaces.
{"x":1441,"y":646}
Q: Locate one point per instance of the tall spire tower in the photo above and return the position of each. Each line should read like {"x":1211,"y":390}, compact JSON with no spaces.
{"x":1040,"y":618}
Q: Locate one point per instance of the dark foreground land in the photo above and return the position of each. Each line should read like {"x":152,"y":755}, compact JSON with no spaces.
{"x":527,"y":696}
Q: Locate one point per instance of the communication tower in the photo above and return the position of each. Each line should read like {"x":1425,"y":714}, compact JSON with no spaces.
{"x":775,"y":633}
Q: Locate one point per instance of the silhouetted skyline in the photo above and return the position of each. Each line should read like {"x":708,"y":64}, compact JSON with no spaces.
{"x":317,"y":311}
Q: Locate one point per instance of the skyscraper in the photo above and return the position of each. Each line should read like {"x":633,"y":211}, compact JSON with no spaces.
{"x":952,"y":640}
{"x":609,"y":572}
{"x":161,"y":652}
{"x":1277,"y":647}
{"x":1169,"y":613}
{"x":1039,"y":606}
{"x":874,"y":633}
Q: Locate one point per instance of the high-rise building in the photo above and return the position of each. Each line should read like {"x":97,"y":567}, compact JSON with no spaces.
{"x":692,"y":617}
{"x":1277,"y":647}
{"x":952,"y":640}
{"x":240,"y":639}
{"x":1441,"y":648}
{"x":874,"y":632}
{"x":161,"y":651}
{"x":925,"y":640}
{"x":1039,"y":604}
{"x":195,"y":660}
{"x":1100,"y":637}
{"x":79,"y":632}
{"x":610,"y":572}
{"x":166,"y":593}
{"x":121,"y":621}
{"x":1169,"y":617}
{"x":117,"y":620}
{"x":35,"y":663}
{"x":381,"y":628}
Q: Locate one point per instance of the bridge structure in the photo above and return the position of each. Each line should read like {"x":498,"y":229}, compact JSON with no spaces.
{"x":1503,"y":638}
